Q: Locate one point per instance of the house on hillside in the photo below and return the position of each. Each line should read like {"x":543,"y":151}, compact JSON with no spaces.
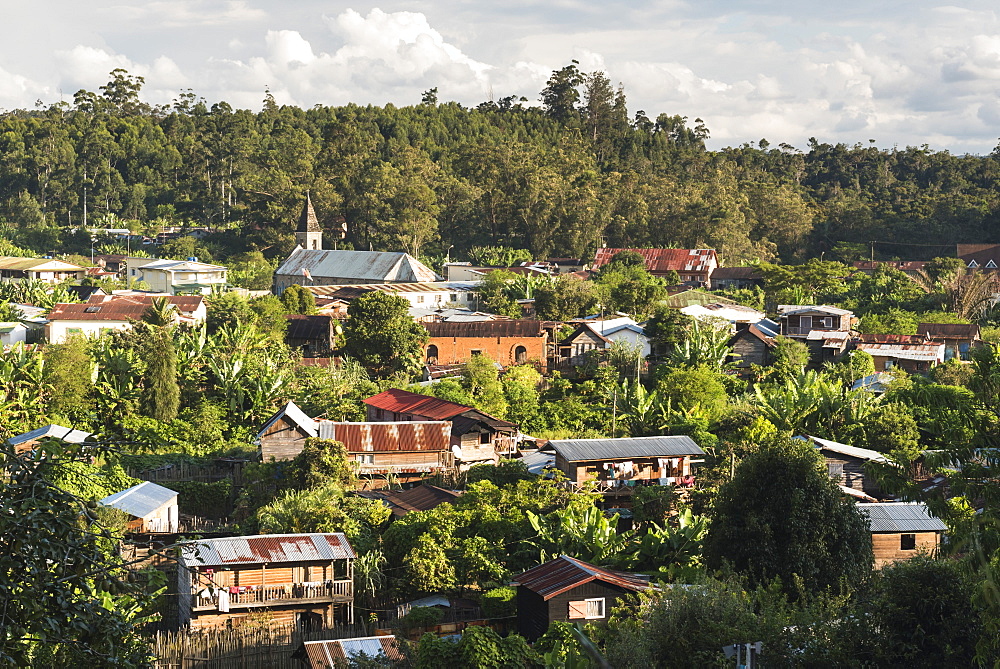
{"x":284,"y":434}
{"x":316,"y":267}
{"x":506,"y":342}
{"x":751,"y":346}
{"x":405,"y":450}
{"x":797,"y":320}
{"x":959,"y":338}
{"x":911,"y":267}
{"x":26,"y":442}
{"x":902,"y":530}
{"x":618,"y":465}
{"x":912,"y":354}
{"x":341,"y":652}
{"x":979,"y":256}
{"x":313,"y":335}
{"x":846,"y":466}
{"x":177,"y":277}
{"x":12,"y":332}
{"x":153,"y":508}
{"x":46,"y":270}
{"x":115,"y":312}
{"x":570,"y":590}
{"x":476,"y":437}
{"x":736,"y":278}
{"x":693,"y":266}
{"x":302,"y":579}
{"x":574,"y":350}
{"x":736,"y":314}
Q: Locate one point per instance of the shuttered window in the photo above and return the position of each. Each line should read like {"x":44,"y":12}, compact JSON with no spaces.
{"x":577,"y":610}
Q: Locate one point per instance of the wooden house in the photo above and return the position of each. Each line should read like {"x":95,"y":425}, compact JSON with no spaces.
{"x":901,"y":530}
{"x":340,"y":652}
{"x":570,"y":590}
{"x":798,"y":321}
{"x":313,"y":335}
{"x":736,"y":277}
{"x":624,"y":463}
{"x":476,"y":437}
{"x":913,"y":354}
{"x":284,"y":434}
{"x":573,"y":351}
{"x":751,"y":346}
{"x":305,"y":579}
{"x":407,"y":450}
{"x":506,"y":342}
{"x":26,"y":442}
{"x":846,"y":466}
{"x":152,"y":507}
{"x":958,"y":338}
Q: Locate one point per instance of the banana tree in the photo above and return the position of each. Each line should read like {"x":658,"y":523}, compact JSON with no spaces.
{"x":586,"y":534}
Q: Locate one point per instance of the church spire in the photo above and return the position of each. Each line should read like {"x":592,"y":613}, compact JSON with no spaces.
{"x":309,"y":234}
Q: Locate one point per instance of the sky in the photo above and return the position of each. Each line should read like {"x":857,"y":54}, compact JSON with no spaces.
{"x":899,"y":73}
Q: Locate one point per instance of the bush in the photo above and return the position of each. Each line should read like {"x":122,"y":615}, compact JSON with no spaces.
{"x":420,"y":617}
{"x":499,"y":602}
{"x":209,"y":500}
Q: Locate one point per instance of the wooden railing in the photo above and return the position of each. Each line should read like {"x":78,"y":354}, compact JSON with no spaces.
{"x":272,"y":595}
{"x":617,"y":485}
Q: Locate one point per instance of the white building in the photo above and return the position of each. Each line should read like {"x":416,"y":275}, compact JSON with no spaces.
{"x":114,"y":312}
{"x":622,"y":329}
{"x":430,"y":295}
{"x":177,"y":277}
{"x":39,"y":269}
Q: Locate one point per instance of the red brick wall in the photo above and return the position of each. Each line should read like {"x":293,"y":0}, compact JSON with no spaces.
{"x":458,"y":350}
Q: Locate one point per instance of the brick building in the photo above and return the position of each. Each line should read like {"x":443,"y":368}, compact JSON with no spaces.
{"x":509,"y":342}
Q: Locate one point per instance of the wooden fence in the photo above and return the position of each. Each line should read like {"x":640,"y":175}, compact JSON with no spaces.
{"x":186,"y":471}
{"x":241,"y":648}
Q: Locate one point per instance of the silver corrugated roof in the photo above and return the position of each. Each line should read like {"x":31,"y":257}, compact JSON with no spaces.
{"x":67,"y":434}
{"x":376,"y":266}
{"x":141,"y":500}
{"x":632,"y":447}
{"x":852,"y":451}
{"x":294,"y":414}
{"x":266,"y":549}
{"x":901,"y":517}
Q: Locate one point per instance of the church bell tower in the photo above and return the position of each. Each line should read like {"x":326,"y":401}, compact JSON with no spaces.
{"x":309,"y":234}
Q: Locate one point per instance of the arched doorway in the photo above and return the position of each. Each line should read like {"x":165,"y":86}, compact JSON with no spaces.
{"x":432,"y":354}
{"x":520,"y":355}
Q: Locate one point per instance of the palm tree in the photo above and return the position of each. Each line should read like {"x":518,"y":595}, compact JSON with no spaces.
{"x":967,"y":294}
{"x":160,"y":313}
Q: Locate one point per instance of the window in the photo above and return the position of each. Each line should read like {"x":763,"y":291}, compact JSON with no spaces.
{"x":484,"y":437}
{"x":432,"y":354}
{"x":835,"y":469}
{"x":587,"y":608}
{"x":420,"y":299}
{"x":827,"y":322}
{"x":454,"y":297}
{"x":365,"y":459}
{"x":907,"y":542}
{"x":805,"y":323}
{"x":476,"y":351}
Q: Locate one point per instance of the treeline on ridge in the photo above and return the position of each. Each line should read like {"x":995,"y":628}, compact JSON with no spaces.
{"x":560,"y":179}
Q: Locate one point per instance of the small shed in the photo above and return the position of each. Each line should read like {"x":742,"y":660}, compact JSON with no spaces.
{"x":23,"y":443}
{"x":153,"y":508}
{"x":570,"y":590}
{"x":901,"y":530}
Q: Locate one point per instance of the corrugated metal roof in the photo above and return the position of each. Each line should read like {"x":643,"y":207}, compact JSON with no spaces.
{"x":421,"y":498}
{"x":948,"y":330}
{"x":37,"y":265}
{"x":537,"y":461}
{"x":492,"y":328}
{"x":380,"y":266}
{"x":901,"y":517}
{"x":337,"y":652}
{"x":141,"y":500}
{"x":53,"y":431}
{"x":664,"y":260}
{"x":120,"y":307}
{"x":923,"y":352}
{"x":790,"y":309}
{"x":266,"y":549}
{"x":350,"y":290}
{"x":297,"y":416}
{"x":301,"y":326}
{"x":402,"y":401}
{"x":844,"y":449}
{"x":402,"y":436}
{"x":565,"y":573}
{"x":575,"y":450}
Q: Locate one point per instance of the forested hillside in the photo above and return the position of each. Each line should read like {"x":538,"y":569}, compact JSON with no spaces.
{"x":560,"y":179}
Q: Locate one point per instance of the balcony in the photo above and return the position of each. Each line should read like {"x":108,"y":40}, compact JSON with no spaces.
{"x":276,"y":595}
{"x":624,"y":486}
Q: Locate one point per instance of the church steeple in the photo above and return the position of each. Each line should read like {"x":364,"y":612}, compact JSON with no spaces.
{"x":309,"y":234}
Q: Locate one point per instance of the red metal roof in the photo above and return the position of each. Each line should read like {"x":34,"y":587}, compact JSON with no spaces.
{"x":402,"y":436}
{"x":402,"y":401}
{"x":665,"y":260}
{"x":118,"y":307}
{"x":948,"y":330}
{"x":565,"y":573}
{"x":909,"y":340}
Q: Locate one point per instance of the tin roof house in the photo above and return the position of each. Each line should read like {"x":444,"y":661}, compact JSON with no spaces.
{"x":570,"y":590}
{"x":302,"y":579}
{"x":152,"y":507}
{"x":318,"y":267}
{"x":901,"y":530}
{"x":691,"y":265}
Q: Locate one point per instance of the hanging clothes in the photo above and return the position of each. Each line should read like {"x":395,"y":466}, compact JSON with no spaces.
{"x":223,"y":601}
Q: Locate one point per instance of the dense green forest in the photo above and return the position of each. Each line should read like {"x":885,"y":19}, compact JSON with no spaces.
{"x":562,"y":178}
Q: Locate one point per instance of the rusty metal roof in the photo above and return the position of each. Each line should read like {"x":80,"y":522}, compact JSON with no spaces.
{"x":665,"y":260}
{"x":266,"y":549}
{"x":352,"y":266}
{"x":565,"y":573}
{"x":498,"y":328}
{"x":421,"y":498}
{"x":120,"y":307}
{"x":402,"y":436}
{"x":949,"y":330}
{"x":919,"y":352}
{"x":337,"y":652}
{"x":402,"y":401}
